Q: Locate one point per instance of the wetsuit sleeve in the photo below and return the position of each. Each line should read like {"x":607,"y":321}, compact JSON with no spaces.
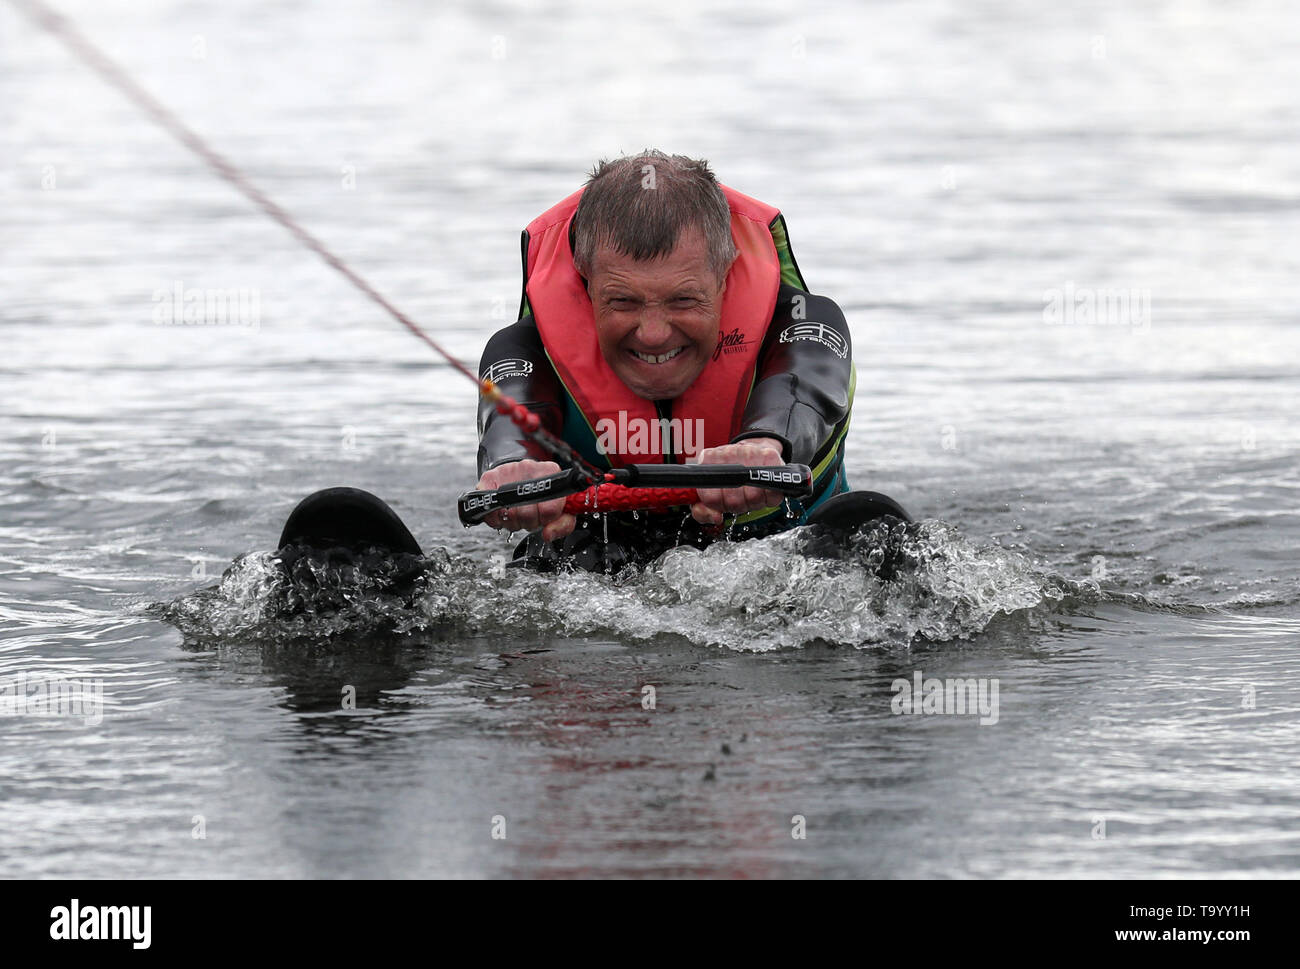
{"x":516,"y":362}
{"x":802,"y":395}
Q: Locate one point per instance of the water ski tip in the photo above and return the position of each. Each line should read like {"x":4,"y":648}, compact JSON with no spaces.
{"x":865,"y":526}
{"x":846,"y":513}
{"x":347,"y":518}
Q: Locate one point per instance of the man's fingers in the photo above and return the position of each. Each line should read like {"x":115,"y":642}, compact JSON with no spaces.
{"x":710,"y":496}
{"x":521,"y":517}
{"x":713,"y":502}
{"x":705,"y":515}
{"x":559,"y":528}
{"x":733,"y":501}
{"x":737,"y":501}
{"x":545,"y":514}
{"x":527,"y":518}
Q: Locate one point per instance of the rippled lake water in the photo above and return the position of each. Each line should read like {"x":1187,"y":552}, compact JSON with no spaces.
{"x":1065,"y":242}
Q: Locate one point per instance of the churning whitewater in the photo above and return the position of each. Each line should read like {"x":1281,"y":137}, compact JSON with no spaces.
{"x":757,"y":595}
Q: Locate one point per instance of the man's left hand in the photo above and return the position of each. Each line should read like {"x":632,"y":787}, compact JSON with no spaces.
{"x":715,"y":502}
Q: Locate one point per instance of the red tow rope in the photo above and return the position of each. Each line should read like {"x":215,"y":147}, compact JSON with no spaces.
{"x":98,"y":61}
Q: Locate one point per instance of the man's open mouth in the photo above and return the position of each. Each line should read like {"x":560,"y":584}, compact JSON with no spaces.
{"x":656,"y":357}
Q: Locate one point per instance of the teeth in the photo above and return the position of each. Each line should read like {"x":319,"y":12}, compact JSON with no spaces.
{"x":657,"y":358}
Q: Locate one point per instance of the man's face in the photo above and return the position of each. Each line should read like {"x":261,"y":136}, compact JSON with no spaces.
{"x":657,"y":321}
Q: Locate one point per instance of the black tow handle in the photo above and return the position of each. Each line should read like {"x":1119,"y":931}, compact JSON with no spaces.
{"x":474,"y":506}
{"x":792,"y":480}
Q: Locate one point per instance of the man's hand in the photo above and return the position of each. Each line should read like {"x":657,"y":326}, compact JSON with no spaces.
{"x":546,"y":515}
{"x":714,"y":502}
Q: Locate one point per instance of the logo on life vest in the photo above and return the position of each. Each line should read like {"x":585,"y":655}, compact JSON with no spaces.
{"x":511,"y":367}
{"x":819,"y":333}
{"x":733,"y":342}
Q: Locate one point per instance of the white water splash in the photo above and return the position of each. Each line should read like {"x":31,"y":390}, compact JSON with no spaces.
{"x":756,"y":595}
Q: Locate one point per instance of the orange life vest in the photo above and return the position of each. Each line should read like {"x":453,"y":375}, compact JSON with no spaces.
{"x":565,"y":319}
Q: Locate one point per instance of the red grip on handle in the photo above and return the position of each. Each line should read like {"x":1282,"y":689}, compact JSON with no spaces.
{"x":611,"y":497}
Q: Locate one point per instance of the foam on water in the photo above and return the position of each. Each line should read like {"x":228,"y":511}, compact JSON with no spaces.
{"x":756,"y":595}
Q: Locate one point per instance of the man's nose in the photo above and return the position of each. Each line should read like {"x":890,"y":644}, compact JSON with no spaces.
{"x":654,"y":327}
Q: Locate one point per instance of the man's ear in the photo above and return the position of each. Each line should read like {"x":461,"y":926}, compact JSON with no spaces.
{"x":723,"y":287}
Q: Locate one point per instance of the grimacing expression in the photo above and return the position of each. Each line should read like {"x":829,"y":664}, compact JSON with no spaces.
{"x":657,"y":320}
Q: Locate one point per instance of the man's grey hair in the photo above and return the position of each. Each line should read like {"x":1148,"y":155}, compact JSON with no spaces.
{"x":639,"y":205}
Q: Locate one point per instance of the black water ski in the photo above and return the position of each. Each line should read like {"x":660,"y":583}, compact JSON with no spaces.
{"x":862,"y":525}
{"x":846,"y":513}
{"x":341,"y":539}
{"x":347,"y":518}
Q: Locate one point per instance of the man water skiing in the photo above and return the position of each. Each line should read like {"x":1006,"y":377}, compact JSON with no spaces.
{"x":664,"y":319}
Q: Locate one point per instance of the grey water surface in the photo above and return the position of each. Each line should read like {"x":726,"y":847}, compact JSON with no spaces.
{"x":1065,"y":238}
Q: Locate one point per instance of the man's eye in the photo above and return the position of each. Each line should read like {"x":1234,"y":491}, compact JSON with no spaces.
{"x":621,"y":302}
{"x":685,"y":302}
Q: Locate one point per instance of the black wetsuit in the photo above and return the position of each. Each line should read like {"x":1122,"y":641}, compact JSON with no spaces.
{"x":802,"y":396}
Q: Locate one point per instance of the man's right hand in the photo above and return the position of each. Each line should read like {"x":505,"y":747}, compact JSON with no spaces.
{"x":546,"y":515}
